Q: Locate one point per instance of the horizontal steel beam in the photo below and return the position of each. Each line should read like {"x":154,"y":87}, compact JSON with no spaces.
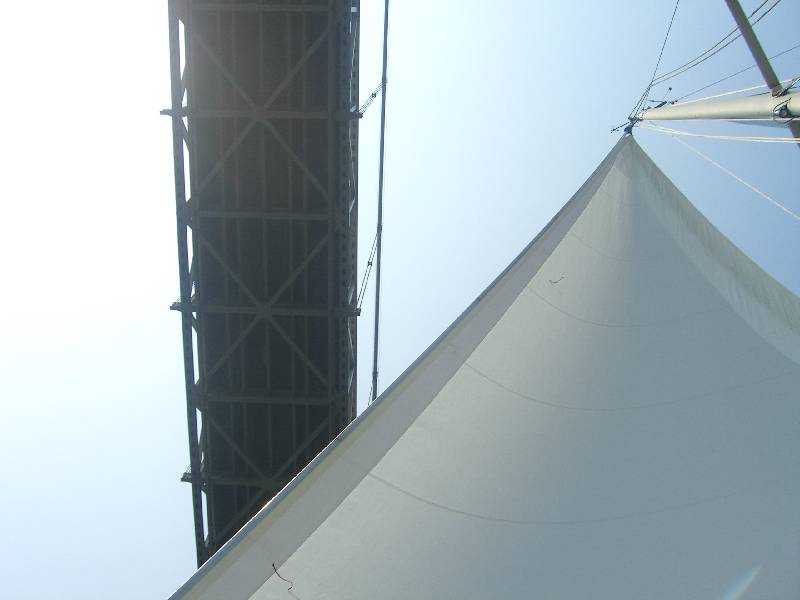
{"x":253,"y":482}
{"x":260,"y":215}
{"x":245,"y":113}
{"x":264,"y":310}
{"x":271,"y":399}
{"x":254,"y":7}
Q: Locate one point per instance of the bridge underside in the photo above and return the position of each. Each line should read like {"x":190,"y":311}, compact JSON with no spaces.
{"x":264,"y":98}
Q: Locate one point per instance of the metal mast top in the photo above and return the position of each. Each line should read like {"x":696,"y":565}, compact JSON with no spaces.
{"x":778,"y":105}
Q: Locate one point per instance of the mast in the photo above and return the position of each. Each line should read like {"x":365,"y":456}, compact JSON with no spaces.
{"x":763,"y":106}
{"x":776,"y":106}
{"x":755,"y":47}
{"x":762,"y":61}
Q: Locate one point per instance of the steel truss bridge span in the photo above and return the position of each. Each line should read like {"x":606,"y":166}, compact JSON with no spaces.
{"x":265,"y":130}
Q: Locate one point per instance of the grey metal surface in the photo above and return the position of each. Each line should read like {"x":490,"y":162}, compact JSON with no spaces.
{"x":755,"y":46}
{"x":379,"y":232}
{"x":264,"y":107}
{"x":767,"y":72}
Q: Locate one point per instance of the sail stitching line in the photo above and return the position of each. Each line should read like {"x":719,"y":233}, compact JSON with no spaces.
{"x":482,"y":517}
{"x":622,"y":259}
{"x":609,"y":409}
{"x":620,"y":325}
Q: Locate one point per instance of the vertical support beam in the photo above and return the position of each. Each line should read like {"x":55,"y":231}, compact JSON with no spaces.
{"x":380,"y":206}
{"x":348,"y":205}
{"x":333,"y":197}
{"x":184,"y":276}
{"x":282,"y":377}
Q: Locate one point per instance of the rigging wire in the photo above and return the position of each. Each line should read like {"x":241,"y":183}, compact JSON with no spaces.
{"x":753,"y":66}
{"x":711,"y":51}
{"x":363,"y":108}
{"x":732,"y":138}
{"x":747,"y":89}
{"x":771,"y":200}
{"x":379,"y":227}
{"x":712,"y":48}
{"x":365,"y":280}
{"x":658,"y":63}
{"x":658,"y":80}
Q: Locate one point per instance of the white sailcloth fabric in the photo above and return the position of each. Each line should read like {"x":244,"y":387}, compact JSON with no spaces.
{"x":616,"y":416}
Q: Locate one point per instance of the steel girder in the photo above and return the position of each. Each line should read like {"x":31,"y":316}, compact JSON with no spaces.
{"x":265,"y":133}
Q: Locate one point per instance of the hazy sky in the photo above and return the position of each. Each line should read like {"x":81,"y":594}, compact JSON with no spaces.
{"x":497,"y":113}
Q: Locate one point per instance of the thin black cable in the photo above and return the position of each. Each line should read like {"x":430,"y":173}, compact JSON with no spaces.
{"x":701,"y":59}
{"x":635,"y":109}
{"x":666,"y":37}
{"x":665,"y":78}
{"x":658,"y":62}
{"x":702,"y":54}
{"x":753,"y":66}
{"x":369,"y":396}
{"x":620,"y":126}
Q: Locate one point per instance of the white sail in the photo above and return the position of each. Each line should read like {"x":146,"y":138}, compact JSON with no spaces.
{"x":617,"y":416}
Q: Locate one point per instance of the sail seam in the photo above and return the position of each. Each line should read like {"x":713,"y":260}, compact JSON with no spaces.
{"x":622,"y":325}
{"x":512,"y":521}
{"x":611,"y":409}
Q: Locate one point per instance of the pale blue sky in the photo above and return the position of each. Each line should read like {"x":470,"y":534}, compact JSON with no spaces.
{"x":497,"y":112}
